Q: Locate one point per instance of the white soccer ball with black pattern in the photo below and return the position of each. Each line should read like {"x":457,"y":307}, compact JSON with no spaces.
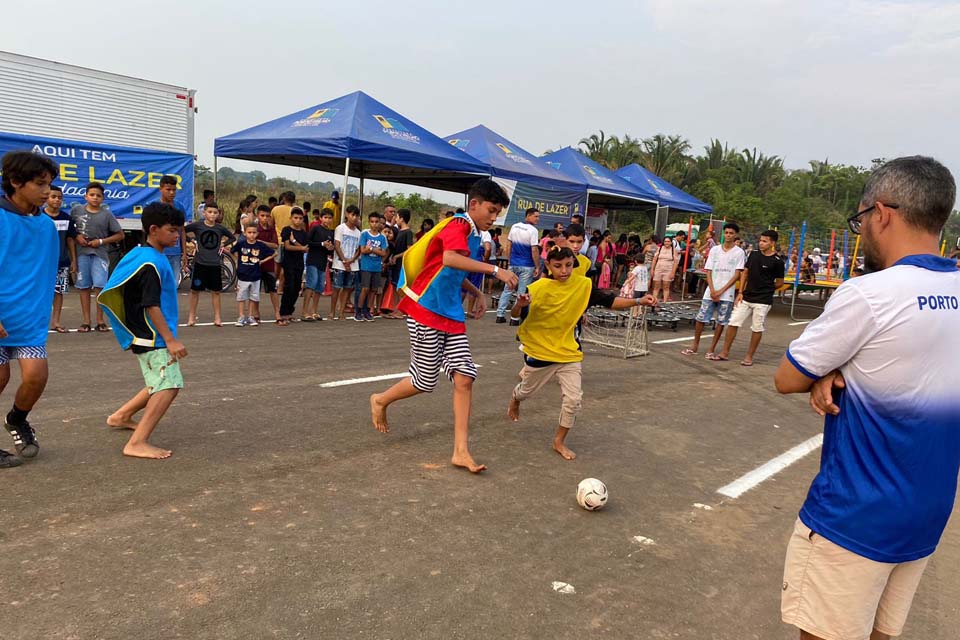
{"x":591,"y":494}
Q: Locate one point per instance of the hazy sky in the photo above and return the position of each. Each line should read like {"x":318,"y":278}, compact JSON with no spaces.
{"x":848,"y":81}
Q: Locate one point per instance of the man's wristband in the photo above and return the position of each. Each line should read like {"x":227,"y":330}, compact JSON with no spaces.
{"x":495,"y":271}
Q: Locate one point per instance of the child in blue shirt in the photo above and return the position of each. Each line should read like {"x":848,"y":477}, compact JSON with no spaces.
{"x":373,"y":249}
{"x":250,"y":253}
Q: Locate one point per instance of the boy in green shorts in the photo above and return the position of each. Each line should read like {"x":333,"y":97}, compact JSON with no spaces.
{"x":140,"y":301}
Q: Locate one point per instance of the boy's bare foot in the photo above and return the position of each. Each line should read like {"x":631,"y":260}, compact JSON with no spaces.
{"x":378,"y":413}
{"x":466,"y":461}
{"x":562,"y":449}
{"x":513,"y":409}
{"x":117,"y":422}
{"x":144,"y":450}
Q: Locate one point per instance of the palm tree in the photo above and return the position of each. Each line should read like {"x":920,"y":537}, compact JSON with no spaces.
{"x":665,"y":156}
{"x":595,"y":147}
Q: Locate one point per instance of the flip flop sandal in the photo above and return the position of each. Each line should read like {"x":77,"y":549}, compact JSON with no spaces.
{"x":61,"y":329}
{"x":688,"y":352}
{"x":102,"y":328}
{"x":282,"y":323}
{"x":84,"y":328}
{"x":715,"y":358}
{"x":308,"y":319}
{"x":744,"y":363}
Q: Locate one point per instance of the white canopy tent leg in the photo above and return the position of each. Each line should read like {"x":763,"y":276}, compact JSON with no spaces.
{"x":346,"y":181}
{"x":214,"y":176}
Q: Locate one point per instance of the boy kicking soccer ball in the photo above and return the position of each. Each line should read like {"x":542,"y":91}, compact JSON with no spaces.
{"x":140,"y":301}
{"x":548,"y":336}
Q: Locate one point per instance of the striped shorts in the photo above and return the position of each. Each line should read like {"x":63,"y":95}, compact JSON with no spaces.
{"x":433,"y":351}
{"x":22,"y":353}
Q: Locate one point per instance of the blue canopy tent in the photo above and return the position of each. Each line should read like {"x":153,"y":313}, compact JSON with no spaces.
{"x":529,"y":181}
{"x":667,"y":194}
{"x":357,"y":136}
{"x":604,"y":187}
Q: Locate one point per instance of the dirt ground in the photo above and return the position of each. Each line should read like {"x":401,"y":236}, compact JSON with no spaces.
{"x":283,"y":514}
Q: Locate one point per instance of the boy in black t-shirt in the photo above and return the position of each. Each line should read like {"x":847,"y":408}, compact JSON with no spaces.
{"x":250,"y":254}
{"x":207,"y":275}
{"x":320,"y":244}
{"x":294,"y":239}
{"x":67,"y":230}
{"x":761,"y":277}
{"x":140,"y":300}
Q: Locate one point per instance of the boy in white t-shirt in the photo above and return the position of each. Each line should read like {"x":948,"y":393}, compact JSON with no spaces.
{"x":723,"y":267}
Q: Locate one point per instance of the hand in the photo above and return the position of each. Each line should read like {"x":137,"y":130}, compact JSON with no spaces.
{"x":738,"y":300}
{"x":508,"y":278}
{"x":82,"y":241}
{"x":821,"y":393}
{"x":715,"y":296}
{"x":73,"y":268}
{"x":523,"y":300}
{"x":480,"y":307}
{"x":3,"y":332}
{"x":176,"y":349}
{"x":648,"y":300}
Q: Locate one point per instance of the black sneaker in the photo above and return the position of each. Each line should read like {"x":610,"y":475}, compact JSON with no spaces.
{"x":8,"y":460}
{"x":514,"y":323}
{"x":24,"y":439}
{"x":501,"y":320}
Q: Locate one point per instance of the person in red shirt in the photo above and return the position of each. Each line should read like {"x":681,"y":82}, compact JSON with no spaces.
{"x":268,"y":277}
{"x":434,"y":272}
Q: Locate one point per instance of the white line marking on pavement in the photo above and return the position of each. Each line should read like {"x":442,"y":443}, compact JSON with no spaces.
{"x":748,"y":481}
{"x":673,"y":340}
{"x":794,"y":324}
{"x":345,"y":383}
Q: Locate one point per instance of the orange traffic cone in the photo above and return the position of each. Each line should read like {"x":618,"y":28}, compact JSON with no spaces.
{"x":388,"y":299}
{"x":328,"y":290}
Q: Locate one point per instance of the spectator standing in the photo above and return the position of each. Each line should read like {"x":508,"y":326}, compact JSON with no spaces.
{"x":346,"y":247}
{"x":524,"y":250}
{"x":67,"y":232}
{"x":294,"y":241}
{"x":268,"y":266}
{"x":281,"y":212}
{"x":320,"y":243}
{"x":250,"y":254}
{"x":96,"y":230}
{"x":209,"y":197}
{"x":878,"y":366}
{"x":334,"y":205}
{"x":207,"y":274}
{"x":401,"y":243}
{"x":175,"y":254}
{"x":373,"y":249}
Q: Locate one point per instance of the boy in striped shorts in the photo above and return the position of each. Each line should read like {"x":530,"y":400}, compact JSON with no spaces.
{"x":29,"y":253}
{"x":434,"y":273}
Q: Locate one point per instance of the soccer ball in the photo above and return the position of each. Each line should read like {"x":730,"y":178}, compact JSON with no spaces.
{"x":591,"y":494}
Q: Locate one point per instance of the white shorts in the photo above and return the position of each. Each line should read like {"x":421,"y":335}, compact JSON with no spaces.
{"x":248,"y":291}
{"x":743,"y":310}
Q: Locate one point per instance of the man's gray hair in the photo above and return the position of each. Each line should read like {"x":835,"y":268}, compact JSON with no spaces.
{"x":923,"y":188}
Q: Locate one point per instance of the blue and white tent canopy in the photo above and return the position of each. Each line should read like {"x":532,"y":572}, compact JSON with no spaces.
{"x":667,"y":194}
{"x":380,"y":143}
{"x":604,"y":186}
{"x":504,"y":159}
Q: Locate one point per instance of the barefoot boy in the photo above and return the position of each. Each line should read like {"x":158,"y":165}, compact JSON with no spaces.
{"x":140,"y":300}
{"x":548,"y":336}
{"x":434,"y":272}
{"x":29,"y":251}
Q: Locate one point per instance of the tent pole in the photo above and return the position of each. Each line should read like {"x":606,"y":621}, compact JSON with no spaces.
{"x":346,"y":179}
{"x":586,"y":209}
{"x":214,"y":176}
{"x":361,"y":193}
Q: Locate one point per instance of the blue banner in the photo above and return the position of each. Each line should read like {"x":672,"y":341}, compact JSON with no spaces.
{"x":554,"y":205}
{"x":130,"y":176}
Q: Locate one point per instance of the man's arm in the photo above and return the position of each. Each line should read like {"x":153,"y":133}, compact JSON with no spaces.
{"x":535,"y":252}
{"x":174,"y":346}
{"x":789,"y":379}
{"x":735,"y":277}
{"x":457,"y":260}
{"x":743,"y":286}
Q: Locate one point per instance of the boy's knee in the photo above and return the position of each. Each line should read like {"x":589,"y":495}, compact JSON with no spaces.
{"x":462,"y":382}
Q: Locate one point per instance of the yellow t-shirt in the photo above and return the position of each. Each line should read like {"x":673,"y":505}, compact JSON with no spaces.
{"x":583,"y":265}
{"x":329,"y":204}
{"x":281,"y":218}
{"x":555,"y":308}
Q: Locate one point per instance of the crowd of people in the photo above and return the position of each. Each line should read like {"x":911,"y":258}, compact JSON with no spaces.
{"x":875,"y":363}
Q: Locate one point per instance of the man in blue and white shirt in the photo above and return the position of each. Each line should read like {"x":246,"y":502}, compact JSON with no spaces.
{"x":524,"y":245}
{"x":879,"y":363}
